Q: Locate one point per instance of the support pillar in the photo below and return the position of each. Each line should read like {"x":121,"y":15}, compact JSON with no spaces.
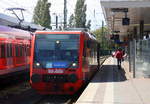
{"x":141,"y":29}
{"x":135,"y":33}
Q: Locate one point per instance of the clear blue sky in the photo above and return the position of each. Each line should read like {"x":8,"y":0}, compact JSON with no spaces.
{"x":94,"y":11}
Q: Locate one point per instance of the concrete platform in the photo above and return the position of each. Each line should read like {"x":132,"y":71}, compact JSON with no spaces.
{"x":115,"y":86}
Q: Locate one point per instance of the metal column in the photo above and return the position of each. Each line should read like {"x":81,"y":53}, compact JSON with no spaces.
{"x":141,"y":29}
{"x":134,"y":58}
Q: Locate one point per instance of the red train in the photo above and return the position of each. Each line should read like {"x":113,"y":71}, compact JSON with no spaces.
{"x":62,"y":61}
{"x":14,"y":51}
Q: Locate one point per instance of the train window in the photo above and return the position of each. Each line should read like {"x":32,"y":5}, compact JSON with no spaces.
{"x":11,"y":50}
{"x":20,"y":51}
{"x":7,"y":50}
{"x":23,"y":50}
{"x":3,"y":50}
{"x":20,"y":48}
{"x":28,"y":50}
{"x":84,"y":49}
{"x":0,"y":50}
{"x":17,"y":50}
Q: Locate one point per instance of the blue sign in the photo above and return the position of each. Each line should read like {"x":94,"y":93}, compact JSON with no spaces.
{"x":60,"y":65}
{"x":49,"y":65}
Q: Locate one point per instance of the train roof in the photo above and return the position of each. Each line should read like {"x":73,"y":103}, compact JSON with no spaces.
{"x":6,"y":20}
{"x":57,"y":32}
{"x":8,"y":32}
{"x":90,"y":35}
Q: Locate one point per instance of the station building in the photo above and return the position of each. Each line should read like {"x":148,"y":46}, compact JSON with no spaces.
{"x":129,"y":20}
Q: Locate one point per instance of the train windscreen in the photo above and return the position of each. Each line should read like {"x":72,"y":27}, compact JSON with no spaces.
{"x":56,"y":51}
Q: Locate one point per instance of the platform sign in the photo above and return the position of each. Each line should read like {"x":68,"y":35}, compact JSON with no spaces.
{"x":125,"y":21}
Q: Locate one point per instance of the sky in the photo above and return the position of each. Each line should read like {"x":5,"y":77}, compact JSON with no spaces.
{"x":94,"y":11}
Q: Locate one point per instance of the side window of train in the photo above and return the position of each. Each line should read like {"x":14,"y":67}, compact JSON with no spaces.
{"x":10,"y":45}
{"x":20,"y":48}
{"x":28,"y":47}
{"x":84,"y":49}
{"x":17,"y":50}
{"x":9,"y":50}
{"x":3,"y":50}
{"x":25,"y":50}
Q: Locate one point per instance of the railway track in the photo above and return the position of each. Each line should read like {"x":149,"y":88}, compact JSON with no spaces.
{"x":22,"y":93}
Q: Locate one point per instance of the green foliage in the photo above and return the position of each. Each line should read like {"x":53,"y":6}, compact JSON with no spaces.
{"x":88,"y":24}
{"x":42,"y":14}
{"x":72,"y":21}
{"x":80,"y":14}
{"x":102,"y":37}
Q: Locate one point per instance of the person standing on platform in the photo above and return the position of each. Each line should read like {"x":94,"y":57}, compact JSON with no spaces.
{"x":119,"y":56}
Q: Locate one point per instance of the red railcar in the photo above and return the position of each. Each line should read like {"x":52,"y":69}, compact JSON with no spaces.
{"x":62,"y":61}
{"x":14,"y":51}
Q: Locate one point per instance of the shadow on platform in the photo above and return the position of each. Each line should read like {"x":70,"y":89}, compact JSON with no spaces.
{"x":109,"y":73}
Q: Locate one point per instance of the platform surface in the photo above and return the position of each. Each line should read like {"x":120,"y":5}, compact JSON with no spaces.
{"x":111,"y":85}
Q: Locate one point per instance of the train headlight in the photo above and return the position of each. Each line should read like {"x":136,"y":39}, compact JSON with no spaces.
{"x":57,"y":41}
{"x":37,"y":64}
{"x":74,"y":64}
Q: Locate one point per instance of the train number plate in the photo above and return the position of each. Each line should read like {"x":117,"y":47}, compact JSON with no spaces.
{"x":56,"y":71}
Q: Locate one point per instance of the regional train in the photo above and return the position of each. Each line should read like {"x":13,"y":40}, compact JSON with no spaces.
{"x":14,"y":51}
{"x":62,"y":61}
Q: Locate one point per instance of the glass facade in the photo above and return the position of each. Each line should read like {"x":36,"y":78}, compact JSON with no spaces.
{"x":140,"y":58}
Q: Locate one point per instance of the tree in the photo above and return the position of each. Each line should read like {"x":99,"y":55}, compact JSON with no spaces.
{"x":102,"y":37}
{"x":89,"y":24}
{"x":42,"y":14}
{"x":72,"y":21}
{"x":80,"y":14}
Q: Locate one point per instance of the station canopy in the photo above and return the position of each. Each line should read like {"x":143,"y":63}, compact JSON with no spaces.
{"x":133,"y":10}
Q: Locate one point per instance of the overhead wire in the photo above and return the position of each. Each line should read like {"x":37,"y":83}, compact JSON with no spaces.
{"x":13,"y":4}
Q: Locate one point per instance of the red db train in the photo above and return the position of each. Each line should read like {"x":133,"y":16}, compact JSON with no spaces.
{"x":14,"y":51}
{"x":62,"y":61}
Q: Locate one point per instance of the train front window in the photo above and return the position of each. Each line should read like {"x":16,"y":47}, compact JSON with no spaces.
{"x":57,"y":50}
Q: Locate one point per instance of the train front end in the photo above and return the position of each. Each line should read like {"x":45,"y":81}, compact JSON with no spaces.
{"x":55,"y":63}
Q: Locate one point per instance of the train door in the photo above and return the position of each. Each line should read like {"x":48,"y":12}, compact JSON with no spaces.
{"x":9,"y":55}
{"x":28,"y":53}
{"x":25,"y":53}
{"x":13,"y":53}
{"x":17,"y":54}
{"x":85,"y":61}
{"x":3,"y":61}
